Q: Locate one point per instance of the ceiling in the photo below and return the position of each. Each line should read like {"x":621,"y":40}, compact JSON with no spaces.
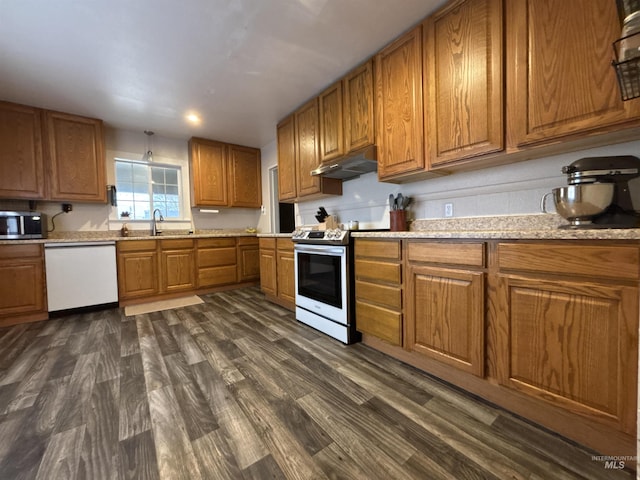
{"x":241,"y":65}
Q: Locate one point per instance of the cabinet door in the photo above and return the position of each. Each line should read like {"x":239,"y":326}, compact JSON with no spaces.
{"x":137,"y":274}
{"x":286,"y":277}
{"x":248,"y":260}
{"x":245,"y":186}
{"x":399,"y":131}
{"x":76,"y":158}
{"x":22,"y":281}
{"x":445,"y":319}
{"x":287,"y":167}
{"x":208,"y":172}
{"x":559,"y":70}
{"x":178,"y":270}
{"x":463,"y":81}
{"x":331,"y":123}
{"x":268,"y":272}
{"x":307,"y":145}
{"x":572,"y":343}
{"x":21,"y":160}
{"x":359,"y":127}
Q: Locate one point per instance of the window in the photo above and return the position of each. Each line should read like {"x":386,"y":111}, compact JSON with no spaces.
{"x":143,"y":187}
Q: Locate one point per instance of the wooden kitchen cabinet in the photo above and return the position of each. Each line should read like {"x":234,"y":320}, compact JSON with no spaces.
{"x":277,"y":271}
{"x":286,"y":271}
{"x":446,"y":302}
{"x":358,"y":110}
{"x":399,"y":108}
{"x":224,"y":175}
{"x":50,"y":155}
{"x":287,"y":166}
{"x":138,"y":269}
{"x":378,"y":289}
{"x":22,"y":284}
{"x":559,"y":75}
{"x":21,"y":152}
{"x":463,"y":81}
{"x":567,"y":323}
{"x":248,"y":259}
{"x":268,"y":267}
{"x":331,"y":123}
{"x":76,"y":158}
{"x":217,"y":262}
{"x":177,"y":265}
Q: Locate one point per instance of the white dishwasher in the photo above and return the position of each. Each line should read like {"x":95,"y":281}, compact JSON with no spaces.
{"x":80,"y":274}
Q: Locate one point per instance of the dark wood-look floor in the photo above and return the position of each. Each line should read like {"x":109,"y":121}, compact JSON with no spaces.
{"x":235,"y":388}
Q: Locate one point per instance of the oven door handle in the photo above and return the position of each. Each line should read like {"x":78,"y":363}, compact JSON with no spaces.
{"x":321,"y":251}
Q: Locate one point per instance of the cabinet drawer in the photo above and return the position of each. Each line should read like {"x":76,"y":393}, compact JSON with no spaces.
{"x":217,"y":242}
{"x":600,"y":261}
{"x":268,"y":243}
{"x":247,"y":241}
{"x":10,"y":252}
{"x":136,"y":245}
{"x":210,"y":277}
{"x":378,"y":248}
{"x":284,"y":244}
{"x":214,"y":257}
{"x":380,"y":271}
{"x":380,"y":294}
{"x":379,"y":322}
{"x":176,"y":244}
{"x":452,"y":253}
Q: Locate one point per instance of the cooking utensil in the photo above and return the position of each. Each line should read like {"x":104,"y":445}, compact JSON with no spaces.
{"x":392,"y":202}
{"x":579,"y":203}
{"x":399,"y":202}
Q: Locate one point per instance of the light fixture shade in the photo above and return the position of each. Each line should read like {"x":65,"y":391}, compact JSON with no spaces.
{"x":148,"y":155}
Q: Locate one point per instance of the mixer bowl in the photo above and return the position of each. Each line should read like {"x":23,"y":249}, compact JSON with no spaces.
{"x":580,"y":203}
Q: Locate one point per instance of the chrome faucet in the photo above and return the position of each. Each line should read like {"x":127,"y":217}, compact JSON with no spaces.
{"x":154,"y":227}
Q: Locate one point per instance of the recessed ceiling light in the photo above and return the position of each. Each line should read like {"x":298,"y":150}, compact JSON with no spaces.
{"x":193,"y":118}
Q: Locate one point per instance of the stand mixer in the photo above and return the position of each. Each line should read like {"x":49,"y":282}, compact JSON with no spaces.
{"x":614,"y":207}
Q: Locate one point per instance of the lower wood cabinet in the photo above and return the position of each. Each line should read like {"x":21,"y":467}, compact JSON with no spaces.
{"x":277,"y":272}
{"x":22,"y":284}
{"x":378,"y":294}
{"x":567,"y":323}
{"x":546,"y":329}
{"x":248,"y":259}
{"x":138,"y":269}
{"x":177,"y":263}
{"x":217,"y":262}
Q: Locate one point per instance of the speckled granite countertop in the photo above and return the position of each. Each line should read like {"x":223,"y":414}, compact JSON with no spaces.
{"x":522,"y":227}
{"x":274,"y":235}
{"x":72,"y":237}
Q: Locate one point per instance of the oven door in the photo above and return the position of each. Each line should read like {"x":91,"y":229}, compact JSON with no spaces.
{"x":322,"y":280}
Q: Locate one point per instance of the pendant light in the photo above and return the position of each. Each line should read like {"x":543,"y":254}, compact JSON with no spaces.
{"x":148,"y":156}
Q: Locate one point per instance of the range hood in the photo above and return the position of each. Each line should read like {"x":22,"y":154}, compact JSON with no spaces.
{"x":352,"y":166}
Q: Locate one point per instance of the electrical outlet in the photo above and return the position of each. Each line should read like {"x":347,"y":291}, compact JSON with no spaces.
{"x":448,"y":209}
{"x":67,"y":207}
{"x":263,"y":209}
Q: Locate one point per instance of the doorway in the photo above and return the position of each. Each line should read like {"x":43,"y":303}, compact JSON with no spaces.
{"x":283,"y":214}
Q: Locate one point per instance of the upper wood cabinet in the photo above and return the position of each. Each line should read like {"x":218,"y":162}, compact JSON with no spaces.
{"x":559,"y":75}
{"x":463,"y":81}
{"x":331,"y":123}
{"x":21,"y":156}
{"x":399,"y":131}
{"x":224,"y":175}
{"x":298,"y":155}
{"x":287,"y":166}
{"x":358,"y":110}
{"x":76,"y":158}
{"x":50,"y":155}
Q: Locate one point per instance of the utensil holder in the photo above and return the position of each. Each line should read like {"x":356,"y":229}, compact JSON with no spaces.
{"x":398,"y":220}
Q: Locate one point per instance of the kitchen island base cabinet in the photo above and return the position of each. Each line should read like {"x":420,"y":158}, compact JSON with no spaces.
{"x":22,"y":284}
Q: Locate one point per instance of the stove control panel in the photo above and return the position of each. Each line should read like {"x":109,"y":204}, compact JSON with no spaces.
{"x":332,"y":237}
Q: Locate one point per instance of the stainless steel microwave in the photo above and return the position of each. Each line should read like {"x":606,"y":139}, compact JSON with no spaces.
{"x":22,"y":225}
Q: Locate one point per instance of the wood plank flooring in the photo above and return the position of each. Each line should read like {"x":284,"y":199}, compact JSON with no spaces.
{"x":235,"y":388}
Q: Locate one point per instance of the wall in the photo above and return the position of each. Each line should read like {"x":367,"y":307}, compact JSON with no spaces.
{"x":513,"y":189}
{"x":131,"y":145}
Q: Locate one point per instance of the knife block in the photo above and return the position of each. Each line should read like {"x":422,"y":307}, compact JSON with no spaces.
{"x":329,"y":223}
